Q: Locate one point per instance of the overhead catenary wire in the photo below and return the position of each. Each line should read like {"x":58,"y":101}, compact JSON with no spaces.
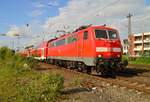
{"x":101,"y":9}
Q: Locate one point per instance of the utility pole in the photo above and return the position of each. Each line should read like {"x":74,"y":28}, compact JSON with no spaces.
{"x":129,"y":23}
{"x":18,"y":36}
{"x":43,"y":36}
{"x":129,"y":34}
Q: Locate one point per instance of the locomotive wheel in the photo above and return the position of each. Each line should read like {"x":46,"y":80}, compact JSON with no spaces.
{"x":109,"y":72}
{"x":88,"y":69}
{"x":81,"y":67}
{"x":101,"y":70}
{"x":104,"y":72}
{"x":113,"y":72}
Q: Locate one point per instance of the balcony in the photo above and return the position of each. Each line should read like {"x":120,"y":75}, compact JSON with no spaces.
{"x":138,"y":49}
{"x":146,"y":40}
{"x":137,"y":41}
{"x":148,"y":33}
{"x":146,"y":48}
{"x":140,"y":34}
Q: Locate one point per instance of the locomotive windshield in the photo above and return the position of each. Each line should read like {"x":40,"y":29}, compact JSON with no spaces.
{"x":103,"y":34}
{"x":112,"y":35}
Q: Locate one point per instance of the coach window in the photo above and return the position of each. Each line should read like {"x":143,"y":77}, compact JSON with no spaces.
{"x":51,"y":44}
{"x":71,"y":39}
{"x":85,"y":37}
{"x":60,"y":42}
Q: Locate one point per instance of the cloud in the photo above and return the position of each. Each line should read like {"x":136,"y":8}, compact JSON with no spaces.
{"x":52,"y":3}
{"x":14,"y":31}
{"x":28,"y":35}
{"x":82,"y":12}
{"x":110,"y":12}
{"x":44,"y":3}
{"x":39,"y":7}
{"x":37,"y":12}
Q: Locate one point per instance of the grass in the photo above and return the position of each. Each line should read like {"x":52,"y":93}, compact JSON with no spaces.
{"x":77,"y":81}
{"x":20,"y":83}
{"x":143,"y":60}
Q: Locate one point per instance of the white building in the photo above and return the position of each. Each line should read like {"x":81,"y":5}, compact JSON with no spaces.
{"x":125,"y":46}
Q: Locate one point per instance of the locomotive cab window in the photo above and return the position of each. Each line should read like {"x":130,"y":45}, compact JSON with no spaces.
{"x":101,"y":34}
{"x":85,"y":37}
{"x":112,"y":35}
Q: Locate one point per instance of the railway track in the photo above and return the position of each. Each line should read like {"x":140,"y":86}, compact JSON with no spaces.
{"x":123,"y":83}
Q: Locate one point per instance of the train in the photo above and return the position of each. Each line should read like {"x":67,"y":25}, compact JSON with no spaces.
{"x":88,"y":48}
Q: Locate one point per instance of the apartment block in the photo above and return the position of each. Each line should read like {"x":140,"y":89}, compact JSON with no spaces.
{"x":139,"y":44}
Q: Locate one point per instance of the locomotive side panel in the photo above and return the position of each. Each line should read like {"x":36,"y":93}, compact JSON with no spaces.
{"x":63,"y":49}
{"x":87,"y":46}
{"x":75,"y":47}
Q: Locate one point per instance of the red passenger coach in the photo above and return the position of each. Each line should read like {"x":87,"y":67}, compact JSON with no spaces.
{"x":28,"y":51}
{"x":89,"y":47}
{"x":41,"y":51}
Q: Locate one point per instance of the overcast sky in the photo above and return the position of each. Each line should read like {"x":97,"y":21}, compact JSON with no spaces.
{"x":44,"y":17}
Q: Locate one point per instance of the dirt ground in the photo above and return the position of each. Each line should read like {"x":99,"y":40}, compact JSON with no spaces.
{"x":74,"y":91}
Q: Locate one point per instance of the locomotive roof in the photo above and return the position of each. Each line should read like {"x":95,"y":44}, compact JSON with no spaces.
{"x":42,"y":44}
{"x":103,"y":27}
{"x":82,"y":28}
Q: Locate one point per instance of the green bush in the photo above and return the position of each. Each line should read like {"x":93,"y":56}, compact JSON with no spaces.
{"x":141,"y":60}
{"x":144,"y":59}
{"x":43,"y":88}
{"x":19,"y":83}
{"x":125,"y":57}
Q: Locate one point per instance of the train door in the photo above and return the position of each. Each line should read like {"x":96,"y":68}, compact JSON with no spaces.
{"x":79,"y":45}
{"x":42,"y":53}
{"x":84,"y":45}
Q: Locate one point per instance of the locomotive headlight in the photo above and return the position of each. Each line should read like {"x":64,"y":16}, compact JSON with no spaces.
{"x":118,"y":55}
{"x":99,"y":55}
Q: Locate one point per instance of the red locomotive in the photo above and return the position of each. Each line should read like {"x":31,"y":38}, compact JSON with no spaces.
{"x":87,"y":48}
{"x":97,"y":47}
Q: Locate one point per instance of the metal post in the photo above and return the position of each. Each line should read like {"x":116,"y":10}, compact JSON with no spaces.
{"x":129,"y":23}
{"x":129,"y":33}
{"x":18,"y":43}
{"x":43,"y":36}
